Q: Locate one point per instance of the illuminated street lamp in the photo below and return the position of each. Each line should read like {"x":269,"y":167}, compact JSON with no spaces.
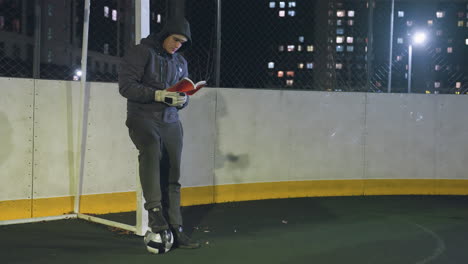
{"x":419,"y":38}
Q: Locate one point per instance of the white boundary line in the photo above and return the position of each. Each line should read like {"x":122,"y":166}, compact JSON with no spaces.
{"x":38,"y":219}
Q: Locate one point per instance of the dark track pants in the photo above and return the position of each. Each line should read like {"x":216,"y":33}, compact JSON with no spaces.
{"x":160,"y":148}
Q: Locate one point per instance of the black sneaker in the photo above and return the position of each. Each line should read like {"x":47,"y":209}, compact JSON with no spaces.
{"x":181,"y":240}
{"x":156,"y":220}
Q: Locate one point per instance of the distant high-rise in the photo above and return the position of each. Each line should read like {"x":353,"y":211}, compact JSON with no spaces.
{"x":325,"y":45}
{"x":47,"y":44}
{"x":439,"y":65}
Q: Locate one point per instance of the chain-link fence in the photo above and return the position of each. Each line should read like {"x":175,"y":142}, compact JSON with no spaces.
{"x":16,"y":38}
{"x":324,"y":45}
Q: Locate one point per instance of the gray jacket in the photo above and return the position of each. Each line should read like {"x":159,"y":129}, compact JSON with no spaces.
{"x":147,"y":67}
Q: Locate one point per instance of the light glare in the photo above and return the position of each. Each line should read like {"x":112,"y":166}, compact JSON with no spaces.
{"x":419,"y":38}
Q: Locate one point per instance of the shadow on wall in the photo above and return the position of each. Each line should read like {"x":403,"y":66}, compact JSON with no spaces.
{"x":5,"y":138}
{"x":232,"y":161}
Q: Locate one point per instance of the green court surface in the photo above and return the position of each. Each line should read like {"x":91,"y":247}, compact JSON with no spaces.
{"x":325,"y":230}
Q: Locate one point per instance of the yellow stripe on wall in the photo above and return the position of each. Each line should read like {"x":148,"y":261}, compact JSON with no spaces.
{"x":15,"y":209}
{"x":126,"y":201}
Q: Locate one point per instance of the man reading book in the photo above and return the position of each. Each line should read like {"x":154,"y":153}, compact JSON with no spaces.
{"x":147,"y":70}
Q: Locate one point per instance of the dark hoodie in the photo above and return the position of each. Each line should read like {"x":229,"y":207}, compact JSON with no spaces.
{"x":147,"y":67}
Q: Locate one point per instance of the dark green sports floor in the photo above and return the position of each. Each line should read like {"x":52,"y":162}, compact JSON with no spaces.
{"x":344,"y":230}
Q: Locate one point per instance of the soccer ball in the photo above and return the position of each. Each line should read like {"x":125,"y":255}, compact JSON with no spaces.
{"x":159,"y":242}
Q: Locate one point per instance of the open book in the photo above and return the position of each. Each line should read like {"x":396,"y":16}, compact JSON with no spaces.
{"x":187,"y":86}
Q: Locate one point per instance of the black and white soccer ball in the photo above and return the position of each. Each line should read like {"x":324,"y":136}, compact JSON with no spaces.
{"x":159,"y":242}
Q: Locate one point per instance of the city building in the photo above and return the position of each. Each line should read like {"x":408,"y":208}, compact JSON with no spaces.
{"x":43,"y":40}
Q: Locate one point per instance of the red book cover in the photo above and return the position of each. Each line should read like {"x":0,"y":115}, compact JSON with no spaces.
{"x":187,"y":86}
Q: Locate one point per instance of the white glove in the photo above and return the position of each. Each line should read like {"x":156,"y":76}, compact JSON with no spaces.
{"x":170,"y":98}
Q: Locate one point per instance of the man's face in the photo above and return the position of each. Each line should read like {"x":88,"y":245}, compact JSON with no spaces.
{"x":173,"y":43}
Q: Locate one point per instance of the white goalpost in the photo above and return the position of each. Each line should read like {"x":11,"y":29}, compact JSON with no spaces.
{"x":142,"y":29}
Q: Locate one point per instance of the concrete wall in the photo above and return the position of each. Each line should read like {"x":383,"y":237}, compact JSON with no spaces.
{"x":232,"y":137}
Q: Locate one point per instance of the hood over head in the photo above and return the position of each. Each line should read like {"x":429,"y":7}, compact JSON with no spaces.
{"x":172,"y":26}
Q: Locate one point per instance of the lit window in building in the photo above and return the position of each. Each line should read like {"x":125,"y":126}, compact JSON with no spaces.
{"x":449,"y":50}
{"x":466,"y":41}
{"x":290,"y":73}
{"x":289,"y":82}
{"x":291,"y":13}
{"x":339,"y":22}
{"x":292,"y":4}
{"x":437,"y":67}
{"x":409,"y":23}
{"x":272,"y":4}
{"x":281,"y":48}
{"x":339,"y":66}
{"x":158,"y":19}
{"x":301,"y":39}
{"x":106,"y":11}
{"x":291,"y":48}
{"x":299,"y":47}
{"x":458,"y":85}
{"x":461,"y":23}
{"x":339,"y":48}
{"x":436,"y":84}
{"x":428,"y":92}
{"x":310,"y":48}
{"x":401,"y":13}
{"x":49,"y":56}
{"x":310,"y":65}
{"x":430,"y":23}
{"x":280,"y":74}
{"x":399,"y":58}
{"x":282,"y":4}
{"x":340,"y":13}
{"x":339,"y":39}
{"x":349,"y":39}
{"x":271,"y":65}
{"x":114,"y":15}
{"x":340,"y":31}
{"x":300,"y":65}
{"x":440,"y":14}
{"x":349,"y":48}
{"x":50,"y":9}
{"x":351,"y":13}
{"x":350,"y":22}
{"x":49,"y":33}
{"x":400,"y":40}
{"x":281,"y":13}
